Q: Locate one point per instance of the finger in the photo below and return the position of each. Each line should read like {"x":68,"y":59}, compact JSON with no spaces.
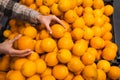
{"x":16,"y":38}
{"x":59,"y":21}
{"x":23,"y":55}
{"x":49,"y":29}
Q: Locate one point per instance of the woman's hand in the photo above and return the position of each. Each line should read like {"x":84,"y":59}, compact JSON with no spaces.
{"x":6,"y":48}
{"x":46,"y":20}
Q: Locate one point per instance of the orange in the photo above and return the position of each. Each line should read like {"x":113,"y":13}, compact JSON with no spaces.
{"x":64,"y":5}
{"x":79,"y":2}
{"x":77,"y":33}
{"x":90,"y":73}
{"x":19,"y":62}
{"x":69,"y":76}
{"x":106,"y":18}
{"x":25,"y":42}
{"x":67,"y":35}
{"x":51,"y":59}
{"x":7,"y":33}
{"x":107,"y":36}
{"x":28,"y":68}
{"x":114,"y":72}
{"x":87,"y":3}
{"x":48,"y":44}
{"x":78,"y":23}
{"x":45,"y":10}
{"x":49,"y":77}
{"x":38,"y":2}
{"x":57,"y":30}
{"x":104,"y":65}
{"x":92,"y":51}
{"x":38,"y":48}
{"x":97,"y":4}
{"x":43,"y":34}
{"x":97,"y":31}
{"x":108,"y":10}
{"x":40,"y":66}
{"x":99,"y":21}
{"x":73,"y":3}
{"x":54,"y":9}
{"x":78,"y":77}
{"x":88,"y":10}
{"x":12,"y":35}
{"x":29,"y":2}
{"x":65,"y":43}
{"x":30,"y":31}
{"x":33,"y":6}
{"x":88,"y":58}
{"x":70,"y":16}
{"x":79,"y":10}
{"x":109,"y":54}
{"x":101,"y":74}
{"x":97,"y":43}
{"x":48,"y":71}
{"x":15,"y":75}
{"x":14,"y":28}
{"x":2,"y":75}
{"x":80,"y":47}
{"x":88,"y":33}
{"x":33,"y":56}
{"x":48,"y":2}
{"x":64,"y":55}
{"x":34,"y":77}
{"x":75,"y":65}
{"x":98,"y":13}
{"x":21,"y":29}
{"x":60,"y":71}
{"x":89,"y":19}
{"x":107,"y":26}
{"x":112,"y":45}
{"x":12,"y":22}
{"x":67,"y":25}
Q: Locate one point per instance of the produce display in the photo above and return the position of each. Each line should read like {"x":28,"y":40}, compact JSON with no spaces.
{"x":82,"y":51}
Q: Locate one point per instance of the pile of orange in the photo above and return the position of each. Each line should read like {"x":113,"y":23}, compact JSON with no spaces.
{"x":66,"y":54}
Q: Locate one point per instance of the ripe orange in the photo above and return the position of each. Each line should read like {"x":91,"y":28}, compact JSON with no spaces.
{"x":107,"y":26}
{"x":64,"y":55}
{"x":2,"y":75}
{"x":48,"y":71}
{"x":51,"y":59}
{"x":73,"y":4}
{"x":28,"y":68}
{"x":67,"y":25}
{"x":34,"y":77}
{"x":97,"y":4}
{"x":78,"y":23}
{"x":87,"y":3}
{"x":43,"y":34}
{"x":88,"y":10}
{"x":48,"y":2}
{"x":7,"y":33}
{"x":25,"y":42}
{"x":38,"y":48}
{"x":97,"y":31}
{"x":57,"y":30}
{"x":79,"y":2}
{"x":64,"y":5}
{"x":90,"y":73}
{"x":40,"y":66}
{"x":106,"y":18}
{"x":108,"y":10}
{"x":65,"y":43}
{"x":33,"y":56}
{"x":33,"y":6}
{"x":98,"y":13}
{"x":107,"y":36}
{"x":69,"y":76}
{"x":38,"y":2}
{"x":109,"y":54}
{"x":99,"y":21}
{"x":54,"y":9}
{"x":78,"y":77}
{"x":97,"y":43}
{"x":77,"y":33}
{"x":30,"y":31}
{"x":49,"y":77}
{"x":92,"y":51}
{"x":89,"y":19}
{"x":112,"y":45}
{"x":79,"y":10}
{"x":88,"y":58}
{"x":12,"y":22}
{"x":45,"y":10}
{"x":48,"y":44}
{"x":80,"y":47}
{"x":114,"y":72}
{"x":70,"y":16}
{"x":101,"y":74}
{"x":104,"y":65}
{"x":60,"y":71}
{"x":29,"y":2}
{"x":75,"y":65}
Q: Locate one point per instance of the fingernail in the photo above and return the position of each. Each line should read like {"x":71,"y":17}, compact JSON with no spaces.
{"x":50,"y":32}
